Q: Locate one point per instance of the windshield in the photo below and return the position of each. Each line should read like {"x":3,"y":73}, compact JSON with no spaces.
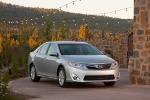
{"x":78,"y":49}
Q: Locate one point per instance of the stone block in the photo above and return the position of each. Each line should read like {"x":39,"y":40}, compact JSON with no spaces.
{"x":144,"y":19}
{"x":148,"y":38}
{"x":148,"y":60}
{"x":143,"y":8}
{"x":141,"y":81}
{"x":137,"y":64}
{"x":148,"y":81}
{"x":135,"y":72}
{"x":140,"y":32}
{"x":140,"y":42}
{"x":144,"y":53}
{"x":141,"y":60}
{"x":144,"y":68}
{"x":135,"y":54}
{"x":135,"y":39}
{"x":147,"y":32}
{"x":139,"y":47}
{"x":133,"y":79}
{"x":146,"y":74}
{"x":139,"y":2}
{"x":148,"y":67}
{"x":136,"y":26}
{"x":133,"y":47}
{"x":134,"y":19}
{"x":147,"y":45}
{"x":136,"y":10}
{"x":148,"y":5}
{"x":141,"y":38}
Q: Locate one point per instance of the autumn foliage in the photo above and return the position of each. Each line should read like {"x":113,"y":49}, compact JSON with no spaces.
{"x":17,"y":43}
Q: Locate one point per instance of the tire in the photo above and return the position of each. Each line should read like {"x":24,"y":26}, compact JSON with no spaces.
{"x":33,"y":75}
{"x":62,"y":77}
{"x":109,"y":83}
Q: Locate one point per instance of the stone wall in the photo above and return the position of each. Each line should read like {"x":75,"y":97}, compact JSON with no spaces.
{"x":116,"y":43}
{"x":118,"y":47}
{"x":139,"y":64}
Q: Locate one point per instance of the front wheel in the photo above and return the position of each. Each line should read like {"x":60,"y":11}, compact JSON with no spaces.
{"x":109,"y":83}
{"x":33,"y":75}
{"x":62,"y":77}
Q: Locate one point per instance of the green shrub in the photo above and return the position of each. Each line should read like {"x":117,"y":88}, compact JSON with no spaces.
{"x":19,"y":61}
{"x":4,"y":79}
{"x":5,"y":88}
{"x":10,"y":97}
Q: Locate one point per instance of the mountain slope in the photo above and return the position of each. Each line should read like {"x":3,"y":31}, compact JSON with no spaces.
{"x":15,"y":15}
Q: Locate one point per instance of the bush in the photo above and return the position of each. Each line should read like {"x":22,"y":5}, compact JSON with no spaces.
{"x":4,"y":79}
{"x":10,"y":97}
{"x":5,"y":88}
{"x":19,"y":61}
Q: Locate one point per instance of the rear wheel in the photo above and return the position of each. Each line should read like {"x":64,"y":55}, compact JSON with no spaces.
{"x":33,"y":75}
{"x":109,"y":83}
{"x":62,"y":77}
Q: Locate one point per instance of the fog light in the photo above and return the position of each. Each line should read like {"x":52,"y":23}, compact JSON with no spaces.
{"x":118,"y":77}
{"x":75,"y":77}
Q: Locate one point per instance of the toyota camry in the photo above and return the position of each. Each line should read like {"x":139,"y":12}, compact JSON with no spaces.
{"x":71,"y":61}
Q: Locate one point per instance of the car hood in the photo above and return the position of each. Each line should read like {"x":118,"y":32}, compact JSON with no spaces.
{"x":88,"y":58}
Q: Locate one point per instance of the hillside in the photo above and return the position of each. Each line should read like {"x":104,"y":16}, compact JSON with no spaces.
{"x":14,"y":15}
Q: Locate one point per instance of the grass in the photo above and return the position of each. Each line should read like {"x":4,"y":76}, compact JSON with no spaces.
{"x":12,"y":97}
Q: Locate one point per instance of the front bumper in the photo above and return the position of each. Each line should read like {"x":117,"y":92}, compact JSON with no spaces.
{"x":79,"y":75}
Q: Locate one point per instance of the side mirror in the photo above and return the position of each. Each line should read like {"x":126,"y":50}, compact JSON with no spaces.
{"x":54,"y":54}
{"x":103,"y":52}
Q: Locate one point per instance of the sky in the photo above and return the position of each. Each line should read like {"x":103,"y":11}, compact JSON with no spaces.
{"x":92,"y":7}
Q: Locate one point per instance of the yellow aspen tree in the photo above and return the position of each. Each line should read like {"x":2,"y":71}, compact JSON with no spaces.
{"x":60,"y":32}
{"x":54,"y":35}
{"x":81,"y":32}
{"x":12,"y":42}
{"x":84,"y":32}
{"x":17,"y":42}
{"x":33,"y":40}
{"x":87,"y":32}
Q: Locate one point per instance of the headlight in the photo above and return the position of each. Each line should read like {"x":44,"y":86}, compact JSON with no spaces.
{"x":114,"y":64}
{"x":77,"y":65}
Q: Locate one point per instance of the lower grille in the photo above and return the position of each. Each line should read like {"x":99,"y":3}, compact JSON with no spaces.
{"x":99,"y":77}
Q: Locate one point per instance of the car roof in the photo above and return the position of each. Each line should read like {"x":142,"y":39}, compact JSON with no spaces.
{"x":67,"y":42}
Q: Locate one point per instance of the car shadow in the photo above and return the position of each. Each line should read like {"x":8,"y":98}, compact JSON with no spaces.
{"x":54,"y":83}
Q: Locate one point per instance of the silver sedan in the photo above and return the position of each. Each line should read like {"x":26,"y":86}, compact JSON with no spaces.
{"x":71,"y":61}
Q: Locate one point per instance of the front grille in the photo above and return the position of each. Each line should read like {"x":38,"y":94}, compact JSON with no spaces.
{"x":99,"y":66}
{"x":99,"y":77}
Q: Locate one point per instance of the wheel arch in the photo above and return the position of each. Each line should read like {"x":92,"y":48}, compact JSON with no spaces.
{"x":30,"y":66}
{"x":60,"y":66}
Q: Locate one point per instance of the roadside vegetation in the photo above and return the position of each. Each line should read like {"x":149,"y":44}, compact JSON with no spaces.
{"x":5,"y":88}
